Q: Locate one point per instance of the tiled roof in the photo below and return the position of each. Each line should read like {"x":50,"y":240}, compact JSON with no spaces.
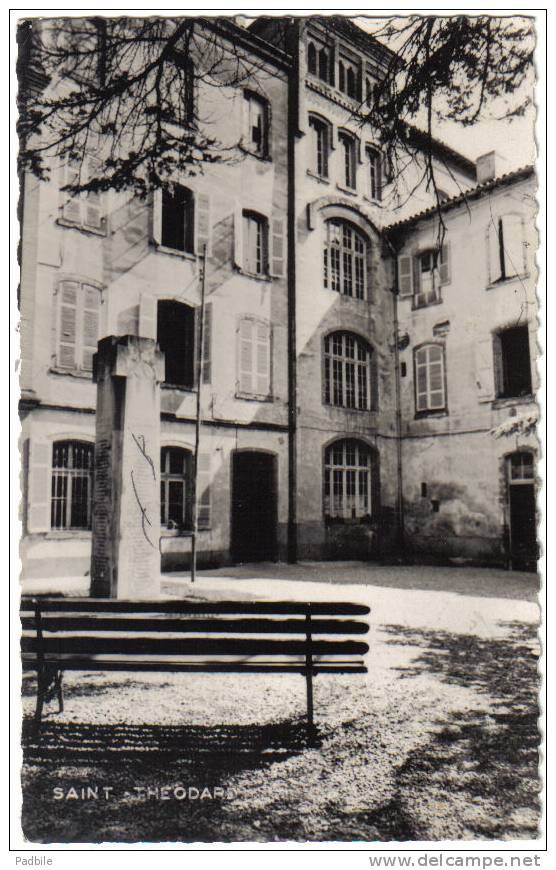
{"x":473,"y":193}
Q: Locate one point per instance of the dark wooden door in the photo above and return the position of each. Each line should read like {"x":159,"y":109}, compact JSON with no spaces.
{"x":523,"y":528}
{"x":253,"y":507}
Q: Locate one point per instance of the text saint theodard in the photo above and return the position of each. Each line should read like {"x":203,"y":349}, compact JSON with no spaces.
{"x":169,"y":792}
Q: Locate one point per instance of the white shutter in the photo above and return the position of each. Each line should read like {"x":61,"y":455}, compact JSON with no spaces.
{"x":514,"y":249}
{"x":207,"y":342}
{"x":71,"y":203}
{"x":68,"y":300}
{"x":238,"y":237}
{"x":157,"y":217}
{"x":444,"y":264}
{"x":147,"y":316}
{"x":202,"y":222}
{"x":484,"y":369}
{"x":203,"y":490}
{"x":245,"y":362}
{"x":405,"y":275}
{"x":493,"y":249}
{"x":38,"y":511}
{"x":277,"y":257}
{"x":262,"y":362}
{"x":93,"y":201}
{"x":91,"y":307}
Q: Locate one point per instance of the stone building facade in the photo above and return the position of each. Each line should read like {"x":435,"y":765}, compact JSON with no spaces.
{"x":325,"y":433}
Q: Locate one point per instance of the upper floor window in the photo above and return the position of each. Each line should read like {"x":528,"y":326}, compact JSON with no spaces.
{"x":347,"y":480}
{"x":176,"y":488}
{"x":256,"y":125}
{"x":254,"y":356}
{"x":422,"y":275}
{"x":346,"y":252}
{"x":506,"y":248}
{"x":521,"y":467}
{"x":71,"y":485}
{"x":319,"y":61}
{"x":77,"y":325}
{"x":176,"y":339}
{"x":370,"y":90}
{"x":177,"y":95}
{"x":349,"y":152}
{"x":348,"y":78}
{"x":82,"y":209}
{"x":347,"y":371}
{"x":374,"y":159}
{"x":255,"y":243}
{"x":177,"y":229}
{"x":430,"y":382}
{"x":512,"y":363}
{"x":320,"y":146}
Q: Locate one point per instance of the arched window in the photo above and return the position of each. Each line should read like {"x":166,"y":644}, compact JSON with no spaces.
{"x":349,"y":148}
{"x":324,"y":61}
{"x":176,"y":488}
{"x":71,"y":485}
{"x":312,"y":58}
{"x":430,"y":383}
{"x":346,"y":252}
{"x":348,"y":470}
{"x":320,"y":145}
{"x":348,"y":381}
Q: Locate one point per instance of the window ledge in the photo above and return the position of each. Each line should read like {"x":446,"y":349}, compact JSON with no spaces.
{"x":263,"y":158}
{"x":89,"y":231}
{"x":68,"y":534}
{"x":175,"y":533}
{"x":415,"y":307}
{"x":253,"y":397}
{"x":322,"y":179}
{"x":173,"y":252}
{"x":350,"y":410}
{"x":72,"y":373}
{"x":181,"y":388}
{"x":510,"y":401}
{"x":420,"y":415}
{"x":372,"y":201}
{"x":501,"y":282}
{"x":253,"y":275}
{"x":351,"y":191}
{"x":346,"y":521}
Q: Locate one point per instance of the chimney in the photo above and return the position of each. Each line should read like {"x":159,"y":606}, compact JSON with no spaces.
{"x":485,"y":166}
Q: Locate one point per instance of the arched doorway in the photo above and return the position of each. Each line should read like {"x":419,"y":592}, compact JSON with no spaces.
{"x":520,"y":475}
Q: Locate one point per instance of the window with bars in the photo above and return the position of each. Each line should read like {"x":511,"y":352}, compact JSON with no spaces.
{"x":347,"y":481}
{"x":254,"y":355}
{"x":374,"y":159}
{"x":256,"y":124}
{"x":177,"y":219}
{"x":346,"y":252}
{"x":430,"y":380}
{"x":176,"y":488}
{"x":71,"y":485}
{"x":348,"y":146}
{"x":78,"y":314}
{"x":347,"y":371}
{"x":320,"y":146}
{"x":255,"y":243}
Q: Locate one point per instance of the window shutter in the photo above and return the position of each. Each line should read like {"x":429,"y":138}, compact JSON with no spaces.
{"x":203,"y":491}
{"x":238,"y":237}
{"x":514,"y":248}
{"x":277,"y":261}
{"x":484,"y":369}
{"x":71,"y":203}
{"x":38,"y":511}
{"x":444,"y":264}
{"x":245,"y":380}
{"x":93,"y":201}
{"x":405,"y":275}
{"x":202,"y":222}
{"x":147,"y":316}
{"x":68,"y":293}
{"x":493,"y":248}
{"x":157,"y":217}
{"x":207,"y":341}
{"x":91,"y":306}
{"x":262,"y":359}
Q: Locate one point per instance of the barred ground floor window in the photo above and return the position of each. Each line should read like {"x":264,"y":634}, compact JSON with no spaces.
{"x":71,"y":485}
{"x":348,"y":482}
{"x":176,"y":488}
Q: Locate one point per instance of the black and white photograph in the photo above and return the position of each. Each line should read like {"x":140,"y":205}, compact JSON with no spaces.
{"x":279,"y":323}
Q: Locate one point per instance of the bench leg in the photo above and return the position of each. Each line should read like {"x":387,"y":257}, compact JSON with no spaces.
{"x":310,"y":712}
{"x":60,"y":691}
{"x":42,"y":687}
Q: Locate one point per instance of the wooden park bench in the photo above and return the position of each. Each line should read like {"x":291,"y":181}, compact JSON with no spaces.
{"x":240,"y":637}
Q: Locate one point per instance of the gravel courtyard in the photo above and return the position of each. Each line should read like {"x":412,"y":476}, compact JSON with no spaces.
{"x":438,"y":741}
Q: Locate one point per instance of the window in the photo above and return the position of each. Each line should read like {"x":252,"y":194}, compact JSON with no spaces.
{"x":82,"y":209}
{"x":255,"y":243}
{"x":506,"y":248}
{"x":422,"y":275}
{"x":521,"y":467}
{"x":370,"y":90}
{"x":176,"y":488}
{"x":375,"y":173}
{"x":256,"y":121}
{"x":346,"y":251}
{"x":512,"y":363}
{"x":430,"y":389}
{"x":320,"y":145}
{"x":347,"y":371}
{"x":177,"y":219}
{"x":177,"y":91}
{"x":347,"y":143}
{"x":347,"y":481}
{"x":77,"y":325}
{"x":254,"y":358}
{"x":176,"y":339}
{"x":319,"y":61}
{"x":72,"y":485}
{"x":348,"y":78}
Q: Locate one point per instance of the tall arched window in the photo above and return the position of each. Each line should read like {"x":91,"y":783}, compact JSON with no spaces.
{"x":348,"y":480}
{"x":175,"y":488}
{"x":71,"y":485}
{"x":346,"y":252}
{"x":312,"y":58}
{"x":348,"y":381}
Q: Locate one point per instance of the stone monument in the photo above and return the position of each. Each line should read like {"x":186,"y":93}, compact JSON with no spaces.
{"x":125,"y":560}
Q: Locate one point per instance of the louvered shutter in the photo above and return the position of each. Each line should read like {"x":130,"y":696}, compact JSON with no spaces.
{"x":203,"y":491}
{"x":238,"y":238}
{"x":38,"y":511}
{"x":157,"y":217}
{"x":71,"y":203}
{"x":202,"y":222}
{"x":246,"y":357}
{"x":207,"y":343}
{"x":444,"y":264}
{"x":93,"y":201}
{"x":493,"y":248}
{"x":147,"y":316}
{"x":262,"y":360}
{"x":68,"y":299}
{"x":513,"y":245}
{"x":277,"y":258}
{"x":484,"y":369}
{"x":91,"y":309}
{"x":405,"y":275}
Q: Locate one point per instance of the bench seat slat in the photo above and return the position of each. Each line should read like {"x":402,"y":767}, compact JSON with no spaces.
{"x":95,"y":644}
{"x":76,"y":622}
{"x":173,"y":606}
{"x":85,"y":664}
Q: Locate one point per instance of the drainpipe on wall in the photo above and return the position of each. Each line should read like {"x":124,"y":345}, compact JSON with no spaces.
{"x":399,"y":457}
